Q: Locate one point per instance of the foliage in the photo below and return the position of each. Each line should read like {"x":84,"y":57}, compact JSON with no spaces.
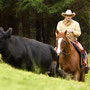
{"x":83,"y":17}
{"x":41,"y":6}
{"x":36,"y":18}
{"x":59,"y":6}
{"x":4,"y":4}
{"x":36,"y":5}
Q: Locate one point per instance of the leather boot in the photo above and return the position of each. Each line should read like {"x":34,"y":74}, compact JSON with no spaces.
{"x":85,"y":60}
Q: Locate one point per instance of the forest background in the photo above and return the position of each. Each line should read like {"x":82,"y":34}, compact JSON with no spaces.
{"x":38,"y":19}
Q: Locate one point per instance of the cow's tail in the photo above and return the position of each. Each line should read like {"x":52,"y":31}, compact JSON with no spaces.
{"x":54,"y":55}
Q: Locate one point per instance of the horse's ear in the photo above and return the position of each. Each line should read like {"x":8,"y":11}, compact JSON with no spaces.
{"x":57,"y":32}
{"x":65,"y":32}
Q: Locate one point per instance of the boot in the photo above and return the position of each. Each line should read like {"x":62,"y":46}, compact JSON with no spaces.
{"x":84,"y":60}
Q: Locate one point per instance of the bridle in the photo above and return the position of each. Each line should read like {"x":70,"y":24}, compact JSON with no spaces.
{"x":63,"y":50}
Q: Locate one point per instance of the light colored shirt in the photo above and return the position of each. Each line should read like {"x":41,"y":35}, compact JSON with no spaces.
{"x":73,"y":25}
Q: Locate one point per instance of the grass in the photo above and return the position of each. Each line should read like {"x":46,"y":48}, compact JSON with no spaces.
{"x":14,"y":79}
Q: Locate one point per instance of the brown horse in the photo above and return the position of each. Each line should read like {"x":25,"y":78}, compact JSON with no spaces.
{"x":69,"y":58}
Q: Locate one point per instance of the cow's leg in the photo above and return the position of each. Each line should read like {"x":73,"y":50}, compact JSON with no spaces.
{"x":15,"y":63}
{"x":52,"y":68}
{"x":77,"y":75}
{"x":28,"y":64}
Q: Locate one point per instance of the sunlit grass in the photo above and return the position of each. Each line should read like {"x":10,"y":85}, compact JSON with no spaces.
{"x":14,"y":79}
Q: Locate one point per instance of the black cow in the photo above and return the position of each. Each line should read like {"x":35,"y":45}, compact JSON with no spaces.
{"x":18,"y":51}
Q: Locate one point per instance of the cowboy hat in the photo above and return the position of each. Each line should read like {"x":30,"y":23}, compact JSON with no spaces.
{"x":68,"y":12}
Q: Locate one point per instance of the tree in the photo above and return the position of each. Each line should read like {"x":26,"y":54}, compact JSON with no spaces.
{"x":83,"y":17}
{"x":38,"y":18}
{"x":8,"y":16}
{"x":44,"y":11}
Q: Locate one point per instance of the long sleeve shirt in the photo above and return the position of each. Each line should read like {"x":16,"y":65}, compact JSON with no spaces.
{"x":73,"y":25}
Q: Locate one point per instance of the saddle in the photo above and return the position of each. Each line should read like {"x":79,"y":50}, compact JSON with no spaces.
{"x":82,"y":53}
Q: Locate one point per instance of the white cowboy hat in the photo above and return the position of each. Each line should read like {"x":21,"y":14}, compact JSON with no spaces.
{"x":68,"y":12}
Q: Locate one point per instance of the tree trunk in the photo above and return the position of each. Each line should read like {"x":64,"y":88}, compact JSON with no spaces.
{"x":26,"y":24}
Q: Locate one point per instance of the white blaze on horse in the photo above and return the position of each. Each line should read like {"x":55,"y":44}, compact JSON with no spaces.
{"x":59,"y":44}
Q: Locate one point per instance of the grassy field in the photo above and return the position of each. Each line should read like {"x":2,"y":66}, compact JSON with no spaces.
{"x":14,"y":79}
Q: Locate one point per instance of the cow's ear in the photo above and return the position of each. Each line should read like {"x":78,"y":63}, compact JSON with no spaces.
{"x":1,"y":28}
{"x":9,"y":33}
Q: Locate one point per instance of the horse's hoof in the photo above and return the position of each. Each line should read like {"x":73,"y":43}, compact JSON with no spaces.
{"x":86,"y":69}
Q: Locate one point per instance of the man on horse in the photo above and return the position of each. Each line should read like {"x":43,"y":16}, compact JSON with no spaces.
{"x":73,"y":32}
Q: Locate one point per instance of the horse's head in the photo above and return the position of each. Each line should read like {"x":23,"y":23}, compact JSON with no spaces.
{"x":61,"y":42}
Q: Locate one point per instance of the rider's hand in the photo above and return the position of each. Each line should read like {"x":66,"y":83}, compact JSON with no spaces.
{"x":63,"y":30}
{"x":70,"y":31}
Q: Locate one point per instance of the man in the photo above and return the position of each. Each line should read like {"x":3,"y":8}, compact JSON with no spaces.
{"x":73,"y":31}
{"x":70,"y":25}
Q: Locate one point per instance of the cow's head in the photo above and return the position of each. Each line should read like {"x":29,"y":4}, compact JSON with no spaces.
{"x":4,"y":36}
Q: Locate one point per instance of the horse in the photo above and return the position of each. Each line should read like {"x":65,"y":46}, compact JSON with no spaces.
{"x":69,"y":58}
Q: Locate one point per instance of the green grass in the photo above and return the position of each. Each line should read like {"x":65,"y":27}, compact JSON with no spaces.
{"x":14,"y":79}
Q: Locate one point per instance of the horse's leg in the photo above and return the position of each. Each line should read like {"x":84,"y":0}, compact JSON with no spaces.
{"x":61,"y":73}
{"x":82,"y":75}
{"x":77,"y":76}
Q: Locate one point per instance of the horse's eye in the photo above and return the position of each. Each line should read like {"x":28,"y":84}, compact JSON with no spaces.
{"x":64,"y":42}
